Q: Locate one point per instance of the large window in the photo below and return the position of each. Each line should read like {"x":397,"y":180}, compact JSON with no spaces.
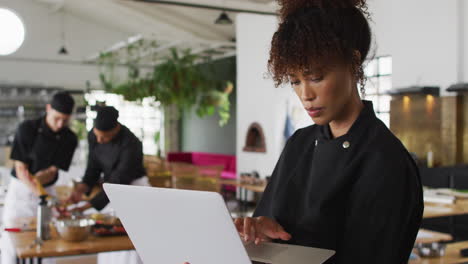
{"x":379,"y":82}
{"x":11,"y":32}
{"x":143,"y":119}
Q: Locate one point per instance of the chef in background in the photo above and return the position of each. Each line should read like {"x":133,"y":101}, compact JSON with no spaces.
{"x":41,"y":148}
{"x":115,"y":156}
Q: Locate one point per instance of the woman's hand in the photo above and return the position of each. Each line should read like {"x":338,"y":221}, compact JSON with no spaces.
{"x":260,"y":229}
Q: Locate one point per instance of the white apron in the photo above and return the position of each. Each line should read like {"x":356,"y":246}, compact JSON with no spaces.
{"x":20,"y":202}
{"x":122,"y":257}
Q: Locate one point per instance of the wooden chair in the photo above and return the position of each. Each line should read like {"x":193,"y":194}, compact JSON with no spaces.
{"x":153,"y":165}
{"x":196,"y":177}
{"x":183,"y":175}
{"x":209,"y":178}
{"x":157,"y":171}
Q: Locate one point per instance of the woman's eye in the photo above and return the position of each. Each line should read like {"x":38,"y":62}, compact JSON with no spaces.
{"x":319,"y":79}
{"x":295,"y":83}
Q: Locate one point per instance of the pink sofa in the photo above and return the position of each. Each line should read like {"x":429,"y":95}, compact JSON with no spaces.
{"x":204,"y":158}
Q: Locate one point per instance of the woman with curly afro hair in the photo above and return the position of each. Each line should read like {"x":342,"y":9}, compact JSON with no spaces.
{"x":345,"y":183}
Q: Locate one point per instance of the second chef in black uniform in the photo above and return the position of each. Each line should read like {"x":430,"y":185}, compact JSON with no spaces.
{"x":117,"y":154}
{"x":114,"y":152}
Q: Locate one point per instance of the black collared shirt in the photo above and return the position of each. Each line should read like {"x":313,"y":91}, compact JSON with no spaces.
{"x":359,"y":194}
{"x":39,"y":147}
{"x":121,"y":162}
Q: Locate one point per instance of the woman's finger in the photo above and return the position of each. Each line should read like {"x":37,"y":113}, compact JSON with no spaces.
{"x":281,"y":234}
{"x":248,"y":229}
{"x":239,"y":223}
{"x":271,"y":229}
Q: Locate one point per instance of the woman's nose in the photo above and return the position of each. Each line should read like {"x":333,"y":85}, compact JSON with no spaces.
{"x":307,"y":93}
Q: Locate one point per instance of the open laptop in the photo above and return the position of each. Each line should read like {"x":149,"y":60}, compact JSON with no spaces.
{"x":170,"y":226}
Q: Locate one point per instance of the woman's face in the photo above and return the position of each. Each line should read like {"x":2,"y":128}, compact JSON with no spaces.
{"x":326,"y":96}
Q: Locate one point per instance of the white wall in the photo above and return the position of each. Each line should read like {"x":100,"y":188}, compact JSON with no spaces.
{"x":43,"y":40}
{"x":463,"y":13}
{"x":205,"y":134}
{"x":425,"y":47}
{"x":422,"y":37}
{"x":257,"y":98}
{"x":381,"y":26}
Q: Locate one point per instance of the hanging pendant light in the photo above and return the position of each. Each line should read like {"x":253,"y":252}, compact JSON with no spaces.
{"x":63,"y":50}
{"x":223,"y":19}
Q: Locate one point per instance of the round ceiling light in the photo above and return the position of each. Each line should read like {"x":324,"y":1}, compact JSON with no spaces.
{"x":12,"y":32}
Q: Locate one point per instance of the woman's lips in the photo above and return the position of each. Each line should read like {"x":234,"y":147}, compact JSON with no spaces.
{"x":314,"y":111}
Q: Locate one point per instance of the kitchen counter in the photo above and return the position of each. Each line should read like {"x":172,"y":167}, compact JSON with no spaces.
{"x":57,"y":247}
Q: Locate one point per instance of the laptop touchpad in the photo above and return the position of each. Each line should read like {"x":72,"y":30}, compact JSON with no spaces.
{"x":264,"y":253}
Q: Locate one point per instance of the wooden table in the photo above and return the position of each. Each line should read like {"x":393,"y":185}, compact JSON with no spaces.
{"x":243,"y":191}
{"x":249,"y":187}
{"x":432,"y":210}
{"x":452,"y":255}
{"x":432,"y":236}
{"x":56,"y":247}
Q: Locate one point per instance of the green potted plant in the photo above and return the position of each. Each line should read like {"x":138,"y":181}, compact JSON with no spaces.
{"x":177,"y":80}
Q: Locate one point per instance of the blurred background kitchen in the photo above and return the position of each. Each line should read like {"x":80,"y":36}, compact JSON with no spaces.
{"x":189,"y":80}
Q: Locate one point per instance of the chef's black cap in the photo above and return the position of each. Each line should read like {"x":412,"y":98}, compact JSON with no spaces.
{"x":106,"y":118}
{"x":63,"y":102}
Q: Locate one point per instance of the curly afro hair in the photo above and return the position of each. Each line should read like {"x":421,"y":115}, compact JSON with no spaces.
{"x":315,"y":35}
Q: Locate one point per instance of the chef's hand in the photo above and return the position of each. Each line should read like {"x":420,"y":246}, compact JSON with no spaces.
{"x":46,"y":175}
{"x":81,"y":209}
{"x":23,"y":174}
{"x":260,"y":229}
{"x":77,"y":193}
{"x":62,"y":210}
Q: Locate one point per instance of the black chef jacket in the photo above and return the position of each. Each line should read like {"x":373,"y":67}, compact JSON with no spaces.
{"x":359,"y":194}
{"x":39,"y":147}
{"x":121,"y":162}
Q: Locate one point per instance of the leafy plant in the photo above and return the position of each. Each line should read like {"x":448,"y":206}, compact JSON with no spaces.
{"x":157,"y":138}
{"x":176,"y":80}
{"x":79,"y":128}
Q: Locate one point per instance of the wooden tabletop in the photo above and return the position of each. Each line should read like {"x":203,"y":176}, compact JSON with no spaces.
{"x":250,"y":187}
{"x":428,"y":236}
{"x":56,"y":247}
{"x":452,"y":255}
{"x":432,"y":210}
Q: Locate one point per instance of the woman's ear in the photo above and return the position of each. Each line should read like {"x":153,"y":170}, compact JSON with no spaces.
{"x":357,"y":55}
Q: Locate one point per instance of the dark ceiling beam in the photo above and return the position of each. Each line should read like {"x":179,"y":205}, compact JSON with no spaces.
{"x":218,"y":8}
